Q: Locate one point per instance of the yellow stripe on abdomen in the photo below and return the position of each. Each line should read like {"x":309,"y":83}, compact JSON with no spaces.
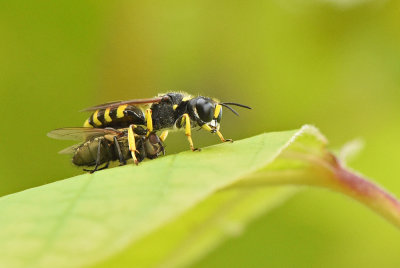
{"x":120,"y":110}
{"x":96,"y":121}
{"x":87,"y":124}
{"x":107,"y":115}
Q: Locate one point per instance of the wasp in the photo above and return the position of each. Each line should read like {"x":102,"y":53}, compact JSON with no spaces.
{"x":102,"y":145}
{"x":177,"y":110}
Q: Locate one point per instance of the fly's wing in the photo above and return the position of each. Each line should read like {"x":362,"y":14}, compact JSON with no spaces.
{"x":136,"y":102}
{"x":81,"y":133}
{"x":70,"y":150}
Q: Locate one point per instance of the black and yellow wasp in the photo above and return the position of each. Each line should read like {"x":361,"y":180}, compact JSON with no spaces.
{"x":102,"y":145}
{"x":166,"y":111}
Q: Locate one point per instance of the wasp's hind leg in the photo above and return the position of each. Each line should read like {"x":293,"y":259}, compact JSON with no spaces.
{"x":122,"y":160}
{"x":188,"y":131}
{"x":132,"y":143}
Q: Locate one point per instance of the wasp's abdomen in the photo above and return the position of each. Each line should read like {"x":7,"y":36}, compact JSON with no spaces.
{"x":116,"y":117}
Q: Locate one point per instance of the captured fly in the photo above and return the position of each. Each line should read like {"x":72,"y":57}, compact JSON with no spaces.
{"x":103,"y":145}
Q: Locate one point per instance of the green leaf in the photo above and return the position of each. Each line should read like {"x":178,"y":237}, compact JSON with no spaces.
{"x":171,"y":211}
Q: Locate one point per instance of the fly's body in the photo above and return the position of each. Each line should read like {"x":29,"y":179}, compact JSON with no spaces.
{"x":86,"y":154}
{"x":102,"y":146}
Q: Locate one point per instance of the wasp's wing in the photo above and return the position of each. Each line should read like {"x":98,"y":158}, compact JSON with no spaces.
{"x":70,"y":150}
{"x":128,"y":102}
{"x":81,"y":133}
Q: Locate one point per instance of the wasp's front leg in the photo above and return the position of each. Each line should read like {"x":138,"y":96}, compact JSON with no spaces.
{"x":222,"y":137}
{"x":208,"y":128}
{"x":132,"y":143}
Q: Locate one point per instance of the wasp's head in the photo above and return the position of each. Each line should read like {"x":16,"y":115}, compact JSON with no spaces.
{"x":208,"y":112}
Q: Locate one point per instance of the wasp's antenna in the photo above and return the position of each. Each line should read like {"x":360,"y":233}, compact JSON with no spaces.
{"x":230,"y":108}
{"x":236,"y":104}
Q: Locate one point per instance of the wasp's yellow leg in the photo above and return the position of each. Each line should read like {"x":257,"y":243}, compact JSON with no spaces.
{"x":164,"y":135}
{"x":188,"y":131}
{"x":132,"y":143}
{"x":222,"y":137}
{"x":206,"y":127}
{"x":149,"y":121}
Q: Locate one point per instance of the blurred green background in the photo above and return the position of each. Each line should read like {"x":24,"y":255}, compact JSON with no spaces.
{"x":332,"y":63}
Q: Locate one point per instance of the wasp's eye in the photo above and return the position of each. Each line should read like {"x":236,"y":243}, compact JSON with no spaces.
{"x":219,"y":116}
{"x":205,"y":110}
